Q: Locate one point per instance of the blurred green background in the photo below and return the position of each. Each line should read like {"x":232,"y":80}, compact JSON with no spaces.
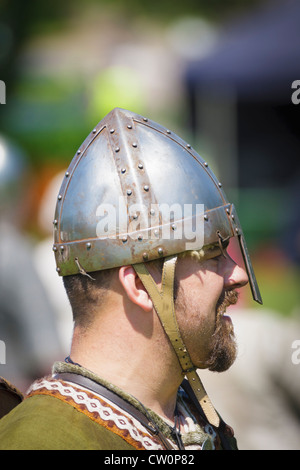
{"x":216,"y":72}
{"x":66,"y":64}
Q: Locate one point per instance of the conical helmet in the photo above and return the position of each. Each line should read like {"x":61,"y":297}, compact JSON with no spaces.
{"x":135,"y":192}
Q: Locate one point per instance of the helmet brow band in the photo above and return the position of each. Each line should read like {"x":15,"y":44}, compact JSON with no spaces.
{"x":163,"y":301}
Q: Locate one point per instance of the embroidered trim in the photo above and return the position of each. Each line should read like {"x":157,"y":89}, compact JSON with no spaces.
{"x":99,"y":410}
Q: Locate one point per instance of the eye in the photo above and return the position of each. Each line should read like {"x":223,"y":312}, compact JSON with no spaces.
{"x":218,"y":258}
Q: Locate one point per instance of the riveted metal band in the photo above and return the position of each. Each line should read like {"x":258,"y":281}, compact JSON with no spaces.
{"x":133,"y":177}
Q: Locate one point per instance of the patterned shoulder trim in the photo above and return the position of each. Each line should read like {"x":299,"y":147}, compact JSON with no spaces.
{"x":99,"y":410}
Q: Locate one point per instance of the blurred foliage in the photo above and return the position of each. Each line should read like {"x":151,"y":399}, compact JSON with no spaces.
{"x":279,"y":283}
{"x":166,"y":10}
{"x":49,"y":116}
{"x":45,"y":116}
{"x":19,"y":20}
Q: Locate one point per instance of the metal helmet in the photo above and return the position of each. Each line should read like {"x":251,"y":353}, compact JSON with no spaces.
{"x":136,"y":192}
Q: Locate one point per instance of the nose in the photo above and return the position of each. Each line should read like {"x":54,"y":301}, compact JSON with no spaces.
{"x":234,"y":275}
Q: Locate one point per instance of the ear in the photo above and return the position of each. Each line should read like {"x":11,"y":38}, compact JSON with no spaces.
{"x":134,"y":288}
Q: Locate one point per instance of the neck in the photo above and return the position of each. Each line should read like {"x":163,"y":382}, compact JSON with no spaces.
{"x":132,"y":361}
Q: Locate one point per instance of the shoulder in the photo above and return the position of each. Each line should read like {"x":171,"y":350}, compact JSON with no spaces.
{"x":10,"y":397}
{"x":43,"y":422}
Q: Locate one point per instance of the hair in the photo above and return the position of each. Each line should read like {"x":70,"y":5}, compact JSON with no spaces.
{"x":87,"y":293}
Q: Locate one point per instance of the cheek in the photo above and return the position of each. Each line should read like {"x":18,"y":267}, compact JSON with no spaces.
{"x":197,"y":304}
{"x":204,"y":292}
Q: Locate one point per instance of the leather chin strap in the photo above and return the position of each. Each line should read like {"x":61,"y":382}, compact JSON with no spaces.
{"x":163,"y":301}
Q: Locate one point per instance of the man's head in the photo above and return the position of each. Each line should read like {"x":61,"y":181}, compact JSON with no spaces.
{"x":134,"y":195}
{"x":205,"y":285}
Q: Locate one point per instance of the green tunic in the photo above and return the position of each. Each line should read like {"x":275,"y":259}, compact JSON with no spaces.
{"x":58,"y":415}
{"x":46,"y":423}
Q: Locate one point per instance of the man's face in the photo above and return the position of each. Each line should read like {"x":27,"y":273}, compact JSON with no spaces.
{"x":206,"y":288}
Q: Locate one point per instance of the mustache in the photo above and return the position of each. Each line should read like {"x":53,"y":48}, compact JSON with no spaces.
{"x":227,"y":298}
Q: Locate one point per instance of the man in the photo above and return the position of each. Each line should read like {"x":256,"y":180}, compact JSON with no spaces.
{"x":141,"y":234}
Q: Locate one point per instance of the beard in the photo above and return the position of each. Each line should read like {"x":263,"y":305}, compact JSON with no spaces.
{"x":220,"y":348}
{"x":223,"y":351}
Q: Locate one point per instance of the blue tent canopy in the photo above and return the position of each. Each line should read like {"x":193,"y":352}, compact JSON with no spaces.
{"x":258,"y":56}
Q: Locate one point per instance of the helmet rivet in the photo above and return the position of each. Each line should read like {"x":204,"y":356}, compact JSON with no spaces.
{"x":228,"y":211}
{"x":123,"y":170}
{"x":129,"y":192}
{"x":55,"y":222}
{"x":112,"y":131}
{"x":174,"y":227}
{"x":140,"y":165}
{"x":67,"y":174}
{"x":135,"y":216}
{"x":168,"y":131}
{"x":205,"y":164}
{"x":146,"y":188}
{"x":134,"y":144}
{"x":152,"y":212}
{"x":124,"y":239}
{"x":220,"y":185}
{"x":160,"y":251}
{"x":54,"y":248}
{"x":88,"y":245}
{"x":237,"y":230}
{"x":117,"y":149}
{"x":58,"y":270}
{"x":129,"y":126}
{"x":145,"y":256}
{"x":156,"y":232}
{"x":145,"y":119}
{"x":59,"y":197}
{"x":61,"y":248}
{"x":205,"y":217}
{"x":78,"y":152}
{"x":140,"y":237}
{"x":232,"y":217}
{"x":188,"y":146}
{"x":94,"y":131}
